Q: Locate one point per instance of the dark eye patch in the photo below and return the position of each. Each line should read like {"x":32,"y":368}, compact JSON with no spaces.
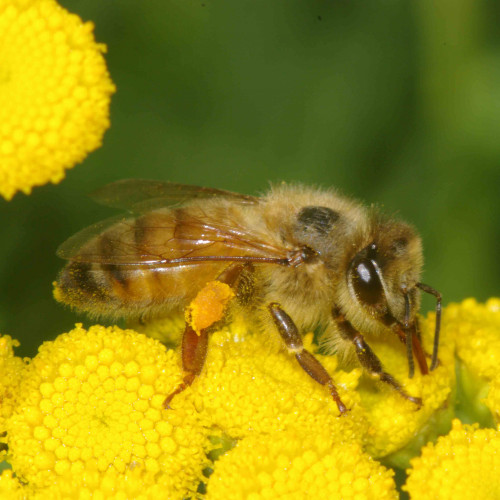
{"x":366,"y":282}
{"x":319,"y":219}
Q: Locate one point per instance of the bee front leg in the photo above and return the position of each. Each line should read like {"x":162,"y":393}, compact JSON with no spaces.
{"x":293,"y":342}
{"x":368,"y":359}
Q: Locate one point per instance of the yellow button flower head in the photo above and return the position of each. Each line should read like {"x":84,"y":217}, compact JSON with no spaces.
{"x":94,"y":401}
{"x":92,"y":483}
{"x":475,"y":328}
{"x":462,"y":465}
{"x":136,"y":484}
{"x":398,"y":428}
{"x":54,"y":93}
{"x":11,"y":371}
{"x":297,"y":465}
{"x":249,"y":385}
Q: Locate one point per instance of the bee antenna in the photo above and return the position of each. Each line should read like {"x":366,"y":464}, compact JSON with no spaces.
{"x":407,"y":310}
{"x":431,"y":291}
{"x":408,"y":337}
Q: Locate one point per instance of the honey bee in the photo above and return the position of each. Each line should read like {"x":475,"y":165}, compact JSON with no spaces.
{"x":296,"y":257}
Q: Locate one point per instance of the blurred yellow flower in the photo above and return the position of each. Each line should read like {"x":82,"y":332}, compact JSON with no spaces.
{"x":93,"y":400}
{"x":55,"y":93}
{"x":475,"y":329}
{"x":10,"y":487}
{"x":464,"y":464}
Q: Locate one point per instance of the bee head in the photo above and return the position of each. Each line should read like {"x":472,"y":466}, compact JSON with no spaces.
{"x":382,"y":277}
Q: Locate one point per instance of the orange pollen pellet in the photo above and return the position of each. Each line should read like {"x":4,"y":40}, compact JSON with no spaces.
{"x":209,"y":305}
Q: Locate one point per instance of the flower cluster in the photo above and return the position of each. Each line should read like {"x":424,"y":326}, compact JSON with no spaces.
{"x":55,"y":93}
{"x":88,"y":418}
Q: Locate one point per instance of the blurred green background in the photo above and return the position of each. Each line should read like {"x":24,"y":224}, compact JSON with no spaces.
{"x":395,"y":102}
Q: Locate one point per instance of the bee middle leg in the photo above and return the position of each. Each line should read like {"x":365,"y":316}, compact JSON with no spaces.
{"x":195,"y":344}
{"x":293,"y":342}
{"x":368,"y":359}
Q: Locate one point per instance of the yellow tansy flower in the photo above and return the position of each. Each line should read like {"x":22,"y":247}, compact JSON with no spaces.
{"x":397,"y":428}
{"x":94,"y":399}
{"x":298,"y":465}
{"x":248,"y":386}
{"x":11,"y":371}
{"x":55,"y":93}
{"x":251,"y":385}
{"x":464,"y":464}
{"x":136,"y":484}
{"x":475,"y":329}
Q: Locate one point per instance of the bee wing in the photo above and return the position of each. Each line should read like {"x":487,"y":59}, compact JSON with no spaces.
{"x":143,"y":195}
{"x":168,"y":238}
{"x":77,"y":246}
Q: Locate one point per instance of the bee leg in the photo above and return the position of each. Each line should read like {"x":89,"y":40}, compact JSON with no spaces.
{"x":293,"y":342}
{"x":194,"y":352}
{"x":195,"y":345}
{"x":369,"y":360}
{"x":416,"y":348}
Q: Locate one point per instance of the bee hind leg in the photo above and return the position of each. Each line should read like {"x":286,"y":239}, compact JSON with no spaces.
{"x":195,"y":343}
{"x":293,"y":342}
{"x":194,"y":352}
{"x":368,"y":359}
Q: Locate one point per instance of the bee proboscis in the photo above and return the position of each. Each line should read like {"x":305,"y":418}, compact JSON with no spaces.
{"x":296,"y":257}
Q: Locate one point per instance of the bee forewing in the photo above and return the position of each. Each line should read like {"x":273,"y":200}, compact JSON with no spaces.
{"x":73,"y":247}
{"x":166,"y":238}
{"x":143,"y":195}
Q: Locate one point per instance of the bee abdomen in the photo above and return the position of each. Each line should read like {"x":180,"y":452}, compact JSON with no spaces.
{"x":80,"y":284}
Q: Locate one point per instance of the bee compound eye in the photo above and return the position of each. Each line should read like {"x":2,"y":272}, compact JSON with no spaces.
{"x":366,"y":282}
